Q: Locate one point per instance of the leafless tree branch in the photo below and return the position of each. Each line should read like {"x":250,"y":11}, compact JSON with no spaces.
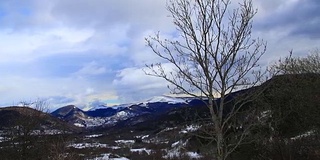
{"x":214,"y":57}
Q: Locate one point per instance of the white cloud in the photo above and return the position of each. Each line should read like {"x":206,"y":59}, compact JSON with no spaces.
{"x":91,"y":68}
{"x":136,"y":77}
{"x":106,"y":14}
{"x":266,"y":7}
{"x":85,"y":50}
{"x":133,"y":84}
{"x":77,"y":91}
{"x":25,"y":46}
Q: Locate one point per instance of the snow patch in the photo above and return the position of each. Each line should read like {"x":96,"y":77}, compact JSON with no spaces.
{"x":175,"y":152}
{"x":79,"y":125}
{"x":47,"y":132}
{"x":175,"y":144}
{"x":193,"y":155}
{"x":141,"y":150}
{"x":142,"y":136}
{"x":106,"y":156}
{"x":124,"y":141}
{"x":122,"y":114}
{"x":87,"y":145}
{"x":2,"y":139}
{"x":93,"y":136}
{"x":168,"y":99}
{"x":90,"y":122}
{"x":168,"y":129}
{"x":114,"y":147}
{"x":309,"y":133}
{"x":120,"y":106}
{"x":190,"y":128}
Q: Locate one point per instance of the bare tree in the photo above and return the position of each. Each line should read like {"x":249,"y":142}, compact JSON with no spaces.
{"x":214,"y":56}
{"x":298,"y":65}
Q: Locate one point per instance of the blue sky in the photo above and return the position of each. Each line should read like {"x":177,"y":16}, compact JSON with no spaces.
{"x":93,"y":51}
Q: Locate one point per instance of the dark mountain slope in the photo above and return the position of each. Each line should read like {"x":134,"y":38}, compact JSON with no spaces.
{"x":31,"y":118}
{"x":70,"y":113}
{"x":293,"y":102}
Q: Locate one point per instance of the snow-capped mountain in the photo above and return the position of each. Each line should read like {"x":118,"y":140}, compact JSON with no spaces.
{"x":94,"y":106}
{"x":167,"y":99}
{"x":110,"y":116}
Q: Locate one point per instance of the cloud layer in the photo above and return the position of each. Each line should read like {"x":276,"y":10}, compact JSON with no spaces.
{"x":86,"y":52}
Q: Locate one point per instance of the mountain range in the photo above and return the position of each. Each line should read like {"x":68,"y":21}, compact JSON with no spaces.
{"x":166,"y":111}
{"x":111,"y":116}
{"x":161,"y":108}
{"x":287,"y":108}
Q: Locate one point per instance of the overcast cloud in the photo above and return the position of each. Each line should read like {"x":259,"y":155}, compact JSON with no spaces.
{"x":93,"y":51}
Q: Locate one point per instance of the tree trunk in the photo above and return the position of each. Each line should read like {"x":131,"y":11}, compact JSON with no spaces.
{"x":220,"y":151}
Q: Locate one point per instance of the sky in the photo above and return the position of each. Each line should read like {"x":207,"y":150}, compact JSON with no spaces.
{"x":89,"y":52}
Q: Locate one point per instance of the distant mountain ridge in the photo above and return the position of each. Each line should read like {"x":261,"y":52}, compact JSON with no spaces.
{"x":156,"y":107}
{"x":109,"y":116}
{"x":163,"y":98}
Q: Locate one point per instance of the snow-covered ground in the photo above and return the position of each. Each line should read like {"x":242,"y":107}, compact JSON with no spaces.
{"x":175,"y":151}
{"x":193,"y":155}
{"x":93,"y":135}
{"x":142,"y":137}
{"x":168,"y":129}
{"x":47,"y":132}
{"x":141,"y":150}
{"x":88,"y":145}
{"x":97,"y":145}
{"x":90,"y":122}
{"x":106,"y":156}
{"x":125,"y":143}
{"x":190,"y":128}
{"x":306,"y":134}
{"x":2,"y":139}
